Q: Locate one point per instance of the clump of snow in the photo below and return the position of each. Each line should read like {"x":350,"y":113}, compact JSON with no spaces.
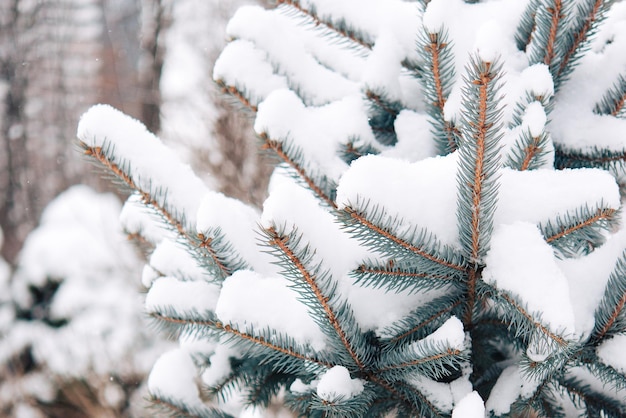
{"x":174,"y":376}
{"x":248,"y":299}
{"x":537,"y":79}
{"x":169,"y":258}
{"x":540,"y":285}
{"x":471,"y":406}
{"x":154,"y":166}
{"x":611,"y":352}
{"x":415,"y":143}
{"x":535,"y":118}
{"x":298,"y":386}
{"x":383,"y":66}
{"x":219,"y":367}
{"x":511,"y":384}
{"x":588,"y":277}
{"x":451,"y":333}
{"x":336,"y":384}
{"x":183,"y":296}
{"x":490,"y":41}
{"x":434,"y":17}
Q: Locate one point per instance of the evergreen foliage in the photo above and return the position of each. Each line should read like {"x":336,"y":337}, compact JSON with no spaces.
{"x":434,"y":246}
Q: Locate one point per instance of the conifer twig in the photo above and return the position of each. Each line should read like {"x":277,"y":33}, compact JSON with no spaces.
{"x":277,"y":147}
{"x":100,"y":156}
{"x":601,"y":214}
{"x":404,"y":244}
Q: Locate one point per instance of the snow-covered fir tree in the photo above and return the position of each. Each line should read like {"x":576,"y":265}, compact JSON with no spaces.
{"x":442,"y":235}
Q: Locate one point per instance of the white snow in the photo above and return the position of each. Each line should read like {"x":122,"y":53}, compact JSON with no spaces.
{"x":450,"y":333}
{"x":174,"y":376}
{"x":182,"y":296}
{"x":249,"y":300}
{"x":540,"y":285}
{"x":537,"y":79}
{"x":154,"y":166}
{"x":336,"y":384}
{"x":535,"y":118}
{"x":471,"y":406}
{"x":588,"y":277}
{"x":490,"y":41}
{"x":510,"y":385}
{"x":611,"y":352}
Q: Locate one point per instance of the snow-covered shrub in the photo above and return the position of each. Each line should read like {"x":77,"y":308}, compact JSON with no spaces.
{"x":441,"y":237}
{"x":78,"y":335}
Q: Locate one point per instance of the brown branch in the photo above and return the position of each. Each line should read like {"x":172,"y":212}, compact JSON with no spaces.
{"x":531,"y":151}
{"x":245,"y":336}
{"x":408,"y":246}
{"x":316,"y":19}
{"x":277,"y":147}
{"x":559,"y":340}
{"x":426,"y":322}
{"x":618,"y":309}
{"x":556,"y":18}
{"x":449,"y":352}
{"x":98,"y":154}
{"x":377,"y":99}
{"x":400,"y":273}
{"x":599,"y":215}
{"x":619,"y":104}
{"x":235,"y":92}
{"x":581,"y":35}
{"x":435,"y":48}
{"x":281,"y":243}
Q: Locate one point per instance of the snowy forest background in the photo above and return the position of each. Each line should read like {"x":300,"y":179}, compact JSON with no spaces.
{"x":73,"y":339}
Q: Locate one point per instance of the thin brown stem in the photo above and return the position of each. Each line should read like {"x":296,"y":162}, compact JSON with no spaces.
{"x":614,"y":315}
{"x":557,"y":16}
{"x":406,"y":245}
{"x":559,"y":340}
{"x":280,"y":242}
{"x":99,"y":155}
{"x":277,"y":147}
{"x":581,"y":35}
{"x":235,"y":92}
{"x":531,"y":151}
{"x":425,"y":322}
{"x":601,"y":214}
{"x":243,"y":335}
{"x":329,"y":25}
{"x":449,"y":353}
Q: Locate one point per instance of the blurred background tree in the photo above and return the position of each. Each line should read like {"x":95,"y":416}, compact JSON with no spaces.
{"x":150,"y":58}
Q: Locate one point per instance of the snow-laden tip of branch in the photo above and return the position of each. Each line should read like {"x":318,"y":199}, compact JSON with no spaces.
{"x":155,"y":171}
{"x":471,"y":406}
{"x":336,"y":384}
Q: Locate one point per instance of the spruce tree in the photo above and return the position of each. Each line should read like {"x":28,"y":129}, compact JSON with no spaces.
{"x":442,"y":235}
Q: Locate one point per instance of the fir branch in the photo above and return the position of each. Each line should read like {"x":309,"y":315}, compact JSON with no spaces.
{"x":556,"y":17}
{"x":521,"y":321}
{"x":191,"y":324}
{"x":479,"y":160}
{"x":421,"y":322}
{"x":415,"y":243}
{"x":607,"y":159}
{"x":528,"y":152}
{"x":282,"y":243}
{"x":595,"y":403}
{"x":236,"y":93}
{"x":436,"y":51}
{"x":585,"y":24}
{"x":614,"y":100}
{"x":580,"y":233}
{"x":434,"y":360}
{"x":321,"y":187}
{"x":526,"y":27}
{"x":609,"y":314}
{"x":101,"y":155}
{"x":340,"y":28}
{"x":350,"y":151}
{"x":393,"y":277}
